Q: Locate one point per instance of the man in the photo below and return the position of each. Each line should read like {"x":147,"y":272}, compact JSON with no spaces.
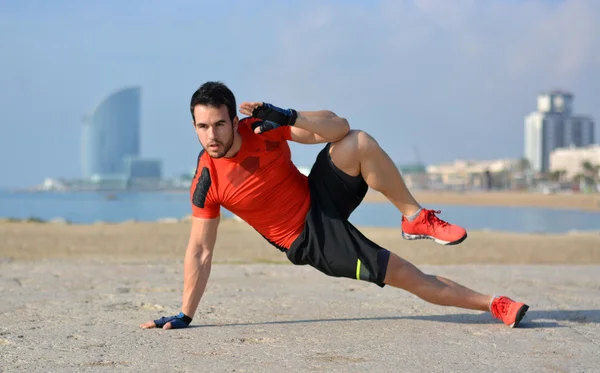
{"x":245,"y":166}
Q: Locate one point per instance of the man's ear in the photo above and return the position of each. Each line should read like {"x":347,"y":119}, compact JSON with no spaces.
{"x":236,"y":121}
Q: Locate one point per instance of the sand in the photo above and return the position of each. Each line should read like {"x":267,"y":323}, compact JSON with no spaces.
{"x":237,"y":242}
{"x":72,"y":297}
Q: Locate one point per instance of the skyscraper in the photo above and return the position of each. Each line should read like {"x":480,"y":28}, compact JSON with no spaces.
{"x":553,"y":126}
{"x":579,"y":132}
{"x":112,"y":133}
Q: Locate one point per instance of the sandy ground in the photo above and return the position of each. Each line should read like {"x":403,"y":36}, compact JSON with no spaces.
{"x":575,"y":201}
{"x":72,"y":297}
{"x":239,"y":243}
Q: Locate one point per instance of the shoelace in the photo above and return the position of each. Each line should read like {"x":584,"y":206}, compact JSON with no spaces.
{"x":432,"y":220}
{"x":500,"y":307}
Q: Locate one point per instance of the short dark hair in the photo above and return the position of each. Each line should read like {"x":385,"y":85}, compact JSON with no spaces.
{"x":214,"y":94}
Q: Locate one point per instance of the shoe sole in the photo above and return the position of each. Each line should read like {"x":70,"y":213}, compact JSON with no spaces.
{"x":520,"y":314}
{"x":407,"y":236}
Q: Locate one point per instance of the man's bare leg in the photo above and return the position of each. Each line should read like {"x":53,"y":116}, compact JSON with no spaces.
{"x":433,"y":289}
{"x":358,"y":153}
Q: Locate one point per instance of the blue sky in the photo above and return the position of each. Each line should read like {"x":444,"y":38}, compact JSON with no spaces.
{"x":452,"y":79}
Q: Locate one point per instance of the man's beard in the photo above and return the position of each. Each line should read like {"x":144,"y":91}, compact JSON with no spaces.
{"x":226,"y":148}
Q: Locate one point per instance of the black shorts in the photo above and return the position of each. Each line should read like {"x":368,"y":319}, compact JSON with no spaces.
{"x":329,"y":242}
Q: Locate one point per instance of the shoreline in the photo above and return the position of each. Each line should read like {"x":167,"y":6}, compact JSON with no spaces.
{"x":561,"y":201}
{"x":584,"y":202}
{"x":59,"y":221}
{"x":589,"y":202}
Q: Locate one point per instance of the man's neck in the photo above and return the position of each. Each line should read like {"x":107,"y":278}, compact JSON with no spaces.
{"x":236,"y":146}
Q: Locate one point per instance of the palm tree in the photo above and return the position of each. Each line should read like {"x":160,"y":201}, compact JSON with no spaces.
{"x":524,"y":164}
{"x":577,"y":179}
{"x":590,"y":174}
{"x":588,"y":168}
{"x":522,"y":168}
{"x":562,"y":174}
{"x":557,"y":175}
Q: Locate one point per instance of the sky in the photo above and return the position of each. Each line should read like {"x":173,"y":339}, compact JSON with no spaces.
{"x":430,"y":80}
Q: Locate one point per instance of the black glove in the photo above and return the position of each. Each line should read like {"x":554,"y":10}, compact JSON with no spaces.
{"x":273,"y":117}
{"x":177,"y":322}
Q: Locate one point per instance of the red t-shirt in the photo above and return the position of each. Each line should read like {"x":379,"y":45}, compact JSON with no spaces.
{"x":260,"y":184}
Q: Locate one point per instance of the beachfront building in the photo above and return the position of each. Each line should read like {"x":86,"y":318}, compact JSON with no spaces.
{"x":571,"y":160}
{"x":469,"y":175}
{"x":111,"y":133}
{"x":414,"y":175}
{"x":111,"y":146}
{"x":553,"y":126}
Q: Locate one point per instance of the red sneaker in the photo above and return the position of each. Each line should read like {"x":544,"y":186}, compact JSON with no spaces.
{"x":427,"y":225}
{"x":509,"y":311}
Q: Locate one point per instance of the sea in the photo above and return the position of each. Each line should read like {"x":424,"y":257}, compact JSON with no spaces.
{"x":90,"y":207}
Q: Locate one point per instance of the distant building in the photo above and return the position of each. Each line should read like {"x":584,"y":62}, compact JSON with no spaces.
{"x":579,"y":131}
{"x":111,"y":133}
{"x":483,"y":175}
{"x":571,"y":159}
{"x":52,"y":184}
{"x":142,"y":168}
{"x":111,"y":147}
{"x":553,"y":126}
{"x":414,"y":175}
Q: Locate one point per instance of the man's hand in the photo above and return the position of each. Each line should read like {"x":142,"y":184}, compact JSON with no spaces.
{"x":172,"y":322}
{"x":271,"y":116}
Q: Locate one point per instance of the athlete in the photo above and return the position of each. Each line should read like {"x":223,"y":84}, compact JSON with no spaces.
{"x":246,"y":167}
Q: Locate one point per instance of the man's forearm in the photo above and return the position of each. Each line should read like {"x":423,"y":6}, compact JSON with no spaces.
{"x":196,"y":270}
{"x":324,"y":123}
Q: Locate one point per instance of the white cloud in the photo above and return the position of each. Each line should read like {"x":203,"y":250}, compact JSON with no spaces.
{"x":449,"y":70}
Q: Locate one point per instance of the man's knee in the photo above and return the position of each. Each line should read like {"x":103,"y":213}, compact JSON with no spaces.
{"x":357,"y":142}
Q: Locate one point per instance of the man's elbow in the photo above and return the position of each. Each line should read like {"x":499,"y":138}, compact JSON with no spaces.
{"x":344,"y":128}
{"x":345,"y":125}
{"x":327,"y":114}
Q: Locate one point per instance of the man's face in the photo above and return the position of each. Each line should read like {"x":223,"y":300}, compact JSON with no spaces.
{"x":214,"y":129}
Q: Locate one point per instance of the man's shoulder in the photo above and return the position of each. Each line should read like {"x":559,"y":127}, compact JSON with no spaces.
{"x":248,"y":121}
{"x":201,"y":161}
{"x":245,"y":125}
{"x":201,"y":156}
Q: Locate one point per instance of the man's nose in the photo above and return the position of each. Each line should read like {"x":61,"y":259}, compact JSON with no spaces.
{"x":211,"y":133}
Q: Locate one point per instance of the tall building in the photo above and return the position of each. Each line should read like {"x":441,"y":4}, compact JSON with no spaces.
{"x":112,"y":133}
{"x":579,"y":132}
{"x":554,"y":126}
